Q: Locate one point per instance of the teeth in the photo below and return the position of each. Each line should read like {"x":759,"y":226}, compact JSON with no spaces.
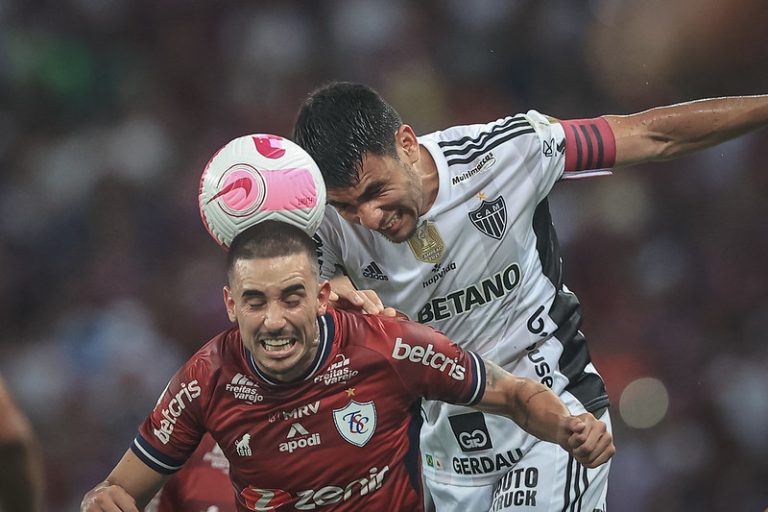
{"x":391,"y":222}
{"x":276,"y":345}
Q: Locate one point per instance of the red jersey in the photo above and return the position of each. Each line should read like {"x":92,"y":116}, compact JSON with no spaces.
{"x":202,"y":485}
{"x":344,"y":436}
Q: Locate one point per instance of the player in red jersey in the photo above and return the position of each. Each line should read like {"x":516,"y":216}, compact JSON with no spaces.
{"x":202,"y":485}
{"x":316,"y":407}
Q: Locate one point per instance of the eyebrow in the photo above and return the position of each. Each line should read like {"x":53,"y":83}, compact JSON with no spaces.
{"x":258,"y":294}
{"x":371,"y":190}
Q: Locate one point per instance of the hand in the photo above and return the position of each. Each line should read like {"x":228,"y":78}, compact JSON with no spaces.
{"x":588,"y":440}
{"x":366,"y":300}
{"x":345,"y":296}
{"x":112,"y":498}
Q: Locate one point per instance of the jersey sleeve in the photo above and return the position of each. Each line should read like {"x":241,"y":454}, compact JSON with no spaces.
{"x":433,"y":367}
{"x":551,"y":153}
{"x":173,"y":429}
{"x":327,"y":241}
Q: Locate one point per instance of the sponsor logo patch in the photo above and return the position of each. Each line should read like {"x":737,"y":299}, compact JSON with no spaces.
{"x":170,"y":414}
{"x":339,"y":371}
{"x":299,"y":437}
{"x":244,"y":388}
{"x":471,"y":432}
{"x":263,"y":500}
{"x":428,"y":357}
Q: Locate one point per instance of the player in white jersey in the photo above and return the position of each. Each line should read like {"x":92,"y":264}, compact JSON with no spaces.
{"x":475,"y":255}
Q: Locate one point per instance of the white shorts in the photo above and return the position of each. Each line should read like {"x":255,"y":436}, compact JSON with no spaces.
{"x":546,"y":478}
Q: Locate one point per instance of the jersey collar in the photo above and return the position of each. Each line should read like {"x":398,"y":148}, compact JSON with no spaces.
{"x":325,"y":343}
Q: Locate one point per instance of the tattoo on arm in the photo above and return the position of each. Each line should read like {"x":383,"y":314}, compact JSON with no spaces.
{"x":492,"y":374}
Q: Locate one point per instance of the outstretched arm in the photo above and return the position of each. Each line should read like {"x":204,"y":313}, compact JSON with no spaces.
{"x":128,"y":488}
{"x":668,"y":132}
{"x":541,"y":413}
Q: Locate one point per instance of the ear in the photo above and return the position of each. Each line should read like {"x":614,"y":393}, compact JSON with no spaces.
{"x":229,"y":303}
{"x":405,"y":138}
{"x":323,"y":297}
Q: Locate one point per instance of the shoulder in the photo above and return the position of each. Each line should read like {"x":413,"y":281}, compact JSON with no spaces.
{"x":378,"y":332}
{"x":222,"y":350}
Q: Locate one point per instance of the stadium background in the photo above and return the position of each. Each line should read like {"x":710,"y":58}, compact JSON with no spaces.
{"x":110,"y":109}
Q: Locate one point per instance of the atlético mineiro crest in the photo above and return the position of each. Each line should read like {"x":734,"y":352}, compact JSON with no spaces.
{"x":356,"y":422}
{"x":490,"y":217}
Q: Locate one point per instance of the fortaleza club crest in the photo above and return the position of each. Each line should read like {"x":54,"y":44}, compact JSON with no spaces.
{"x":356,"y":422}
{"x":490,"y":218}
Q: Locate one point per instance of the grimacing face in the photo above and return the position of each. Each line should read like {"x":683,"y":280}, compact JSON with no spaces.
{"x":276,"y":302}
{"x":389,"y":196}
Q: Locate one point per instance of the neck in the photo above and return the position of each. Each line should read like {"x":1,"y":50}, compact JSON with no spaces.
{"x":430,"y":182}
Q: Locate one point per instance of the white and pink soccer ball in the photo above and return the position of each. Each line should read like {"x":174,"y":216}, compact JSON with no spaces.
{"x":256,"y":178}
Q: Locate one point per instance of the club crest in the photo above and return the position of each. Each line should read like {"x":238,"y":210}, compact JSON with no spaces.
{"x":490,"y":218}
{"x":356,"y":422}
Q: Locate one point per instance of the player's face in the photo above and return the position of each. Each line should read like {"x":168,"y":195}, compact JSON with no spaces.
{"x":276,"y":302}
{"x":389,"y":196}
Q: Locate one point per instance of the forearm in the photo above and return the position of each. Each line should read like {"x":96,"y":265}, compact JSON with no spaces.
{"x":672,"y":131}
{"x":530,"y":404}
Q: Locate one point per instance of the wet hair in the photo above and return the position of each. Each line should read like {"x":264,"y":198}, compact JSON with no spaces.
{"x":270,"y":239}
{"x":341,"y":122}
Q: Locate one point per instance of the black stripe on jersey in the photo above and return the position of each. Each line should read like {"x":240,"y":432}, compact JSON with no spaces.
{"x":485,"y":149}
{"x":576,"y":487}
{"x":567,"y":488}
{"x":153,"y":458}
{"x":484,"y":138}
{"x":509,"y":122}
{"x":565,"y":311}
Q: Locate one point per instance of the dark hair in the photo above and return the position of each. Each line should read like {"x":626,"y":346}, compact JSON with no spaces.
{"x":269,"y":239}
{"x":339,"y":123}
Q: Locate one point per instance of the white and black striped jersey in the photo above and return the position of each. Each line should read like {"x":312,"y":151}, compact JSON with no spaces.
{"x":484,"y":268}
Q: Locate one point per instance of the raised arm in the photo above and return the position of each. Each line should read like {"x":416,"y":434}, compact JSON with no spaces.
{"x":668,"y":132}
{"x":541,"y":413}
{"x":128,"y":488}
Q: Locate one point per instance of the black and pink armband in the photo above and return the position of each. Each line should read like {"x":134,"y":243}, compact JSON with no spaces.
{"x":589,"y":144}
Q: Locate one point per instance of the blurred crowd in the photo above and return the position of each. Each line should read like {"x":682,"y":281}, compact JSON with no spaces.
{"x":109,"y":110}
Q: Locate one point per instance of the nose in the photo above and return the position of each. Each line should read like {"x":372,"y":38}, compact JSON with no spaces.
{"x":274,"y":320}
{"x":370,"y":216}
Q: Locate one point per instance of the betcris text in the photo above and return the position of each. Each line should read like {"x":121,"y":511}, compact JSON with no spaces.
{"x":428,"y":357}
{"x":175,"y":407}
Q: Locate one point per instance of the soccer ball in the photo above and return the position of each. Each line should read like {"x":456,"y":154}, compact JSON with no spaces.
{"x":256,"y":178}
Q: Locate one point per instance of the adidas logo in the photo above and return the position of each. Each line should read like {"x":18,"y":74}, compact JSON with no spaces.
{"x":244,"y":388}
{"x":372,"y":271}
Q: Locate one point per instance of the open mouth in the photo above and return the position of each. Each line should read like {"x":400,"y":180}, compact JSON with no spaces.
{"x":278,"y":345}
{"x":391,"y":223}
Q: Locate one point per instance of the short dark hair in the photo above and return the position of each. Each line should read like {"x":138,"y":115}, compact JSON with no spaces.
{"x":339,"y":123}
{"x":269,"y":239}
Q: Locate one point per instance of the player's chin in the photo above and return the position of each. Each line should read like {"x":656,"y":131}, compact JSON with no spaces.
{"x":404,"y":231}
